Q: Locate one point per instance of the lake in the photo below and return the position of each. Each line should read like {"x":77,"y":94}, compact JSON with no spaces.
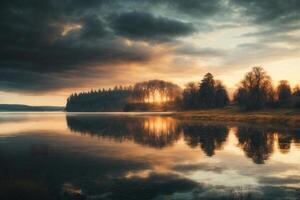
{"x":144,"y":156}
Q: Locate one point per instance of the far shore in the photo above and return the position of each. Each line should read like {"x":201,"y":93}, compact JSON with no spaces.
{"x":282,"y":117}
{"x":279,"y":117}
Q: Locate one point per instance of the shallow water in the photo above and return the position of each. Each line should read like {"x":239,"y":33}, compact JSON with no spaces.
{"x":140,"y":156}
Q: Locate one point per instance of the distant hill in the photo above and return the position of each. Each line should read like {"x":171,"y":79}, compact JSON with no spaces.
{"x":26,"y":108}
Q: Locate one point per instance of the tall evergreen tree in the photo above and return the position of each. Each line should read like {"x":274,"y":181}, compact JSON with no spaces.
{"x":207,"y":91}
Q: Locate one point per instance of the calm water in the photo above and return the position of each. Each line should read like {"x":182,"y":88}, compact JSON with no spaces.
{"x":93,"y":156}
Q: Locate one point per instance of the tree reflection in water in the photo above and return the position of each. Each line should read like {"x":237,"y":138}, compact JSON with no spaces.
{"x":208,"y":137}
{"x":160,"y":132}
{"x":157,"y":132}
{"x":257,"y":144}
{"x":284,"y":142}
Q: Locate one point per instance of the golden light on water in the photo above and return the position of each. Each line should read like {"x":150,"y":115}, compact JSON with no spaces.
{"x":159,"y":126}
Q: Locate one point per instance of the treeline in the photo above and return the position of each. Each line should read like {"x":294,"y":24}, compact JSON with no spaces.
{"x":209,"y":93}
{"x":99,"y":100}
{"x":142,"y":96}
{"x":254,"y":92}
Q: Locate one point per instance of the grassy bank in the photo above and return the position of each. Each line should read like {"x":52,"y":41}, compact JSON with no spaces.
{"x":279,"y":116}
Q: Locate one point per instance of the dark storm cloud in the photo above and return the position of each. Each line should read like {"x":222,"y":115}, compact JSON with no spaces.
{"x":35,"y":41}
{"x":145,"y":26}
{"x":33,"y":44}
{"x":26,"y":80}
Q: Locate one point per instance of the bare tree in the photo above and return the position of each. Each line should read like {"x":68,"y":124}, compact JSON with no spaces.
{"x":257,"y":89}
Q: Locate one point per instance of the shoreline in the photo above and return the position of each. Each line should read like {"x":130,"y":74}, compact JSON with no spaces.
{"x":283,"y":117}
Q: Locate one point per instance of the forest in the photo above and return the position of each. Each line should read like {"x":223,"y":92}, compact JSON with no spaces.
{"x":148,"y":95}
{"x":254,"y":92}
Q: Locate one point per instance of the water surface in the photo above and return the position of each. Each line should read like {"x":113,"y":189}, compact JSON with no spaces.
{"x":140,"y":156}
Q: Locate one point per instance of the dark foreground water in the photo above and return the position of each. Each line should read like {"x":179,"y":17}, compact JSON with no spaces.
{"x":92,"y":156}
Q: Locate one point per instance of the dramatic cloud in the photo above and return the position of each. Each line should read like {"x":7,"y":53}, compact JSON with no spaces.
{"x":43,"y":42}
{"x":62,"y":45}
{"x":137,"y":25}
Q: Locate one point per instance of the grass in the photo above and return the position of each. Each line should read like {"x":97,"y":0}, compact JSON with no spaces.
{"x":285,"y":117}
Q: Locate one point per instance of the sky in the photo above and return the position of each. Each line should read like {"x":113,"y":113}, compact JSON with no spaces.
{"x":52,"y":48}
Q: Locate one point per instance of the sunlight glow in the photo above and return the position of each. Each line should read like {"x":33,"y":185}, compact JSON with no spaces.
{"x":70,"y":27}
{"x":158,"y":126}
{"x":156,"y":97}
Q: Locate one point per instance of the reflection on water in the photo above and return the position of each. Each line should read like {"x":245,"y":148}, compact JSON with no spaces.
{"x":159,"y":132}
{"x":152,"y":131}
{"x":257,"y":144}
{"x":90,"y":156}
{"x":208,"y":137}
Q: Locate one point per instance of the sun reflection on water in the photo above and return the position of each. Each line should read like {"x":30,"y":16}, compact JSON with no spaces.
{"x":159,"y":126}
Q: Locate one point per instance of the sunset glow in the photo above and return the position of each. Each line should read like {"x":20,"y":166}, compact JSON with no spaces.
{"x":74,"y":48}
{"x":160,"y":127}
{"x":156,"y":97}
{"x":150,"y":99}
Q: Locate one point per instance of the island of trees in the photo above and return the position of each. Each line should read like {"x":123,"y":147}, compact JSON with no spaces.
{"x":254,"y":92}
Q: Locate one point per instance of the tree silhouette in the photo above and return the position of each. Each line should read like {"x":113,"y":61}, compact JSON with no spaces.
{"x":255,"y":90}
{"x":296,"y":91}
{"x":190,"y":96}
{"x":210,"y":94}
{"x":296,"y":97}
{"x":284,"y":91}
{"x":207,"y":91}
{"x":100,"y":100}
{"x":241,"y":96}
{"x":221,"y":95}
{"x":124,"y":98}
